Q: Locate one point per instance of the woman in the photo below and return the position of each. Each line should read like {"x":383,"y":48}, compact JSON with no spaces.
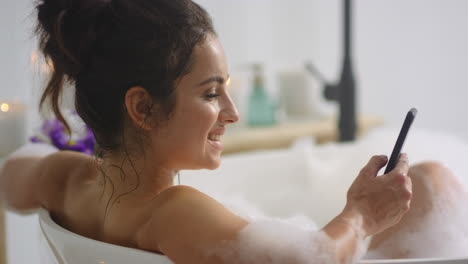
{"x":151,"y":82}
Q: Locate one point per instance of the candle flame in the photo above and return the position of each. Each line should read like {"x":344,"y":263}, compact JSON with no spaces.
{"x":228,"y":81}
{"x":5,"y":107}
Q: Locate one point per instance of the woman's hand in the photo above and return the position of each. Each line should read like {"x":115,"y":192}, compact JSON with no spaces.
{"x":381,"y":201}
{"x":373,"y":205}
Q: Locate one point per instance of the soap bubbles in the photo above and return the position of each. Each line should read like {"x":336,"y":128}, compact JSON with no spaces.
{"x":265,"y":239}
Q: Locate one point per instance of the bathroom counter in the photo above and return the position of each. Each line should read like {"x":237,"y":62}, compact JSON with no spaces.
{"x":282,"y":135}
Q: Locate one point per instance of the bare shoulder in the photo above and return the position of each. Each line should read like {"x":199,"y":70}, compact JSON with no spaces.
{"x":65,"y":160}
{"x":186,"y":222}
{"x":178,"y":202}
{"x":66,"y":167}
{"x":182,"y":195}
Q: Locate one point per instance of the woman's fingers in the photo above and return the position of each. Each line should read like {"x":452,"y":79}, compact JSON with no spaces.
{"x":400,"y":177}
{"x":409,"y":190}
{"x":401,"y":184}
{"x":402,"y":165}
{"x":373,"y":166}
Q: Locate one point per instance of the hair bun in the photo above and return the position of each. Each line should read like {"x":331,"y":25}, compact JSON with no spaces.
{"x":67,"y":31}
{"x":72,"y":4}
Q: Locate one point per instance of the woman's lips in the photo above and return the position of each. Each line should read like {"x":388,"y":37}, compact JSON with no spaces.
{"x":215,"y":136}
{"x":216,"y":144}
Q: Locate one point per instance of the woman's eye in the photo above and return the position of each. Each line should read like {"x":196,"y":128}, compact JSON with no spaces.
{"x":212,"y":95}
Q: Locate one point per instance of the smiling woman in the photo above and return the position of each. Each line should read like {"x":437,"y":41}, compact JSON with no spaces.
{"x":203,"y":109}
{"x":150,"y":80}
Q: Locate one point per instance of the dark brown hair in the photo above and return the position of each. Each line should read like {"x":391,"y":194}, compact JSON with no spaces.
{"x":105,"y":47}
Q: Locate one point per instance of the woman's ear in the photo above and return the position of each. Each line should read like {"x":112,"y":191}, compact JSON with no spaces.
{"x":139,"y":104}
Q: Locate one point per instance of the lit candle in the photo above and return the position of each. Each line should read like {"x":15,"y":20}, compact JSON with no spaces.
{"x":12,"y":126}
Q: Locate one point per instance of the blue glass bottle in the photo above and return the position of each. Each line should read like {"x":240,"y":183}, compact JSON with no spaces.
{"x":261,"y":109}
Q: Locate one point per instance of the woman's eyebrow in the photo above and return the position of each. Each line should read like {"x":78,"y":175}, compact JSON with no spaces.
{"x":217,"y":79}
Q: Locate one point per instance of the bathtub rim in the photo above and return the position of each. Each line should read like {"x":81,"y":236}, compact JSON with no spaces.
{"x":415,"y":260}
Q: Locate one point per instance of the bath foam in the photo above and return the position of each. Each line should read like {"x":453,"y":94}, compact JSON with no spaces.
{"x":265,"y":239}
{"x":275,"y":241}
{"x":443,"y":233}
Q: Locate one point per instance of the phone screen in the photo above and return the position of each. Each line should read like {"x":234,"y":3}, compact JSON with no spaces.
{"x":401,"y":140}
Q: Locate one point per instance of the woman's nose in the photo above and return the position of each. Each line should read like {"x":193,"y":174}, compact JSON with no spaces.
{"x":229,"y":113}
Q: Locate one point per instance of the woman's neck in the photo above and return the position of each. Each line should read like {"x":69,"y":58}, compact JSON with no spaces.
{"x":128,"y":175}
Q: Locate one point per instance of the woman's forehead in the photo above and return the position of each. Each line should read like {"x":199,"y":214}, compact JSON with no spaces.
{"x":209,"y":58}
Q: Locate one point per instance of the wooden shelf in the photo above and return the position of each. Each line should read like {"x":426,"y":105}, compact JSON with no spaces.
{"x":281,"y":136}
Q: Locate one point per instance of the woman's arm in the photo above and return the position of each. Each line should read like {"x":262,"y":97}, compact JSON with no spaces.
{"x":347,"y":232}
{"x":30,"y":181}
{"x":17,"y":185}
{"x":187,"y":225}
{"x":190,"y":227}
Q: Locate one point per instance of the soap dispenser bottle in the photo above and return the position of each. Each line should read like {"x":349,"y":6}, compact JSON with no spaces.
{"x":261,"y":109}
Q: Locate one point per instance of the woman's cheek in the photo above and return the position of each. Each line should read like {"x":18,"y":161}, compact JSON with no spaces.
{"x":214,"y":112}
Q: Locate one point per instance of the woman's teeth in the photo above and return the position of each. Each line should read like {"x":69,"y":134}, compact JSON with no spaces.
{"x":214,"y":137}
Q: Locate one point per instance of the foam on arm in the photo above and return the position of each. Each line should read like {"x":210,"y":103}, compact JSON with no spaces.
{"x":275,"y":241}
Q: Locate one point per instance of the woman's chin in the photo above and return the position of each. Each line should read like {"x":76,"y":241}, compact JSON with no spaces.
{"x":213,"y":163}
{"x":207,"y":164}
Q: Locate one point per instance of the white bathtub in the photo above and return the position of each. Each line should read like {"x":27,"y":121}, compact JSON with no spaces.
{"x":419,"y":261}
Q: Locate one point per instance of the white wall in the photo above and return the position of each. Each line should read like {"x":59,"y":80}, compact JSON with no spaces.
{"x":16,"y":45}
{"x":407,"y":52}
{"x":415,"y":53}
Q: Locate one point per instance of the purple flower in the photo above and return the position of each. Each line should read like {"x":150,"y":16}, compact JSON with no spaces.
{"x":35,"y":139}
{"x":55,"y":133}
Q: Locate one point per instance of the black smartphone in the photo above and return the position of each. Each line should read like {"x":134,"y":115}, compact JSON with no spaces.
{"x":401,"y":140}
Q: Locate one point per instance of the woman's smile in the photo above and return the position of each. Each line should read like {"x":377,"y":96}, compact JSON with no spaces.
{"x":215,"y":141}
{"x":214,"y":138}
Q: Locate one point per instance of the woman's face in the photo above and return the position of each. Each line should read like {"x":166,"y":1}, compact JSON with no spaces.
{"x":192,"y":138}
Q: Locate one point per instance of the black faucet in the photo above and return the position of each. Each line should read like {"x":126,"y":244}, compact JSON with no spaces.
{"x":345,"y":91}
